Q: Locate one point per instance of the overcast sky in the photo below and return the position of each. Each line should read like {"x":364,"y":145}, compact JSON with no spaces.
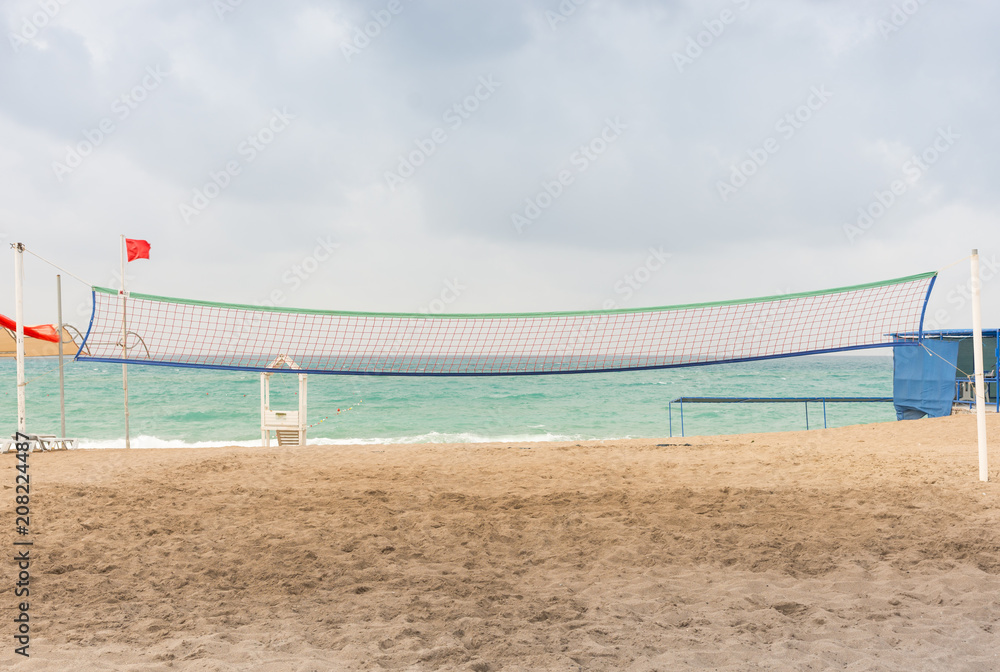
{"x":407,"y":155}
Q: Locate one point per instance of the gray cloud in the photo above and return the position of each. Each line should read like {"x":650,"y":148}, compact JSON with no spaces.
{"x":324,"y":175}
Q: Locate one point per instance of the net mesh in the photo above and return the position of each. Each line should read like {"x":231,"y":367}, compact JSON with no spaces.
{"x":213,"y":335}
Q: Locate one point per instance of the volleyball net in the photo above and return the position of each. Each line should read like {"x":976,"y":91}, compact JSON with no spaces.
{"x":180,"y":332}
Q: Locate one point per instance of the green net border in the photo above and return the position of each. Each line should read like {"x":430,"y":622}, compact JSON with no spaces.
{"x":465,"y":316}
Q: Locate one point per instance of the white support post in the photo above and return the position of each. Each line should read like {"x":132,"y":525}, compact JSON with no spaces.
{"x":977,"y":346}
{"x":265,"y":403}
{"x":124,"y":342}
{"x":22,"y":422}
{"x":302,"y":409}
{"x":59,"y":330}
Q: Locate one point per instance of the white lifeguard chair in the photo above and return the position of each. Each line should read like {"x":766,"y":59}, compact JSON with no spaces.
{"x":289,"y":427}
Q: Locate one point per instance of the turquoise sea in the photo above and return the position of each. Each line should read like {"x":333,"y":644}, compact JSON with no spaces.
{"x":193,"y":407}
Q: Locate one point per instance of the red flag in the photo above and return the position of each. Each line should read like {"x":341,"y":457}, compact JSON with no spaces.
{"x":137,"y":249}
{"x":45,"y":332}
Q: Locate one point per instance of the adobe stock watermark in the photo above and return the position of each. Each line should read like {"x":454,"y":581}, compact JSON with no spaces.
{"x":404,"y":341}
{"x":786,"y":126}
{"x":625,"y":287}
{"x":450,"y":292}
{"x":454,"y":117}
{"x":32,"y":25}
{"x":763,"y":318}
{"x":363,"y":35}
{"x":912,"y":169}
{"x":85,"y":308}
{"x":564,"y":10}
{"x":224,"y":7}
{"x":298,"y":273}
{"x":960,"y":295}
{"x":632,"y":282}
{"x":704,"y":39}
{"x":121,"y":109}
{"x":581,"y":160}
{"x":248,"y":150}
{"x":899,"y":15}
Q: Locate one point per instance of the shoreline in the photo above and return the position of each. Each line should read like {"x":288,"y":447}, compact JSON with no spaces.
{"x":418,"y":440}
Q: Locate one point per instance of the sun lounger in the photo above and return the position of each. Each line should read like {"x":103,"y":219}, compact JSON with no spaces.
{"x":52,"y":442}
{"x":41,"y":442}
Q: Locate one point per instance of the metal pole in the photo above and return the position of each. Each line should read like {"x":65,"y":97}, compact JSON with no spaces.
{"x":303,"y":406}
{"x":124,"y":343}
{"x":22,"y":423}
{"x":996,"y":369}
{"x":824,"y":414}
{"x":807,"y":415}
{"x":265,"y":404}
{"x":682,"y":418}
{"x":670,"y":414}
{"x":977,"y":346}
{"x":59,"y":329}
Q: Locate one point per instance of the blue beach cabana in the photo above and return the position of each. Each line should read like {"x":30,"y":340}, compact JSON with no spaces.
{"x":937,"y":379}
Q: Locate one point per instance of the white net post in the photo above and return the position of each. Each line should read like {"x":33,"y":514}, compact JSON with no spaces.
{"x":22,"y":423}
{"x":977,"y":347}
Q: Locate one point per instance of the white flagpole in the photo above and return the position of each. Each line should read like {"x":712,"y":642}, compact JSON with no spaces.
{"x":59,"y":329}
{"x":22,"y":423}
{"x":977,"y":346}
{"x":124,"y":343}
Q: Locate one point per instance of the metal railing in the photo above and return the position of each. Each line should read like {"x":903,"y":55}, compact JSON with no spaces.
{"x":680,"y":401}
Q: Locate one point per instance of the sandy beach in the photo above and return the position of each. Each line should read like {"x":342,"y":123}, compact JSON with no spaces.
{"x":860,"y":548}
